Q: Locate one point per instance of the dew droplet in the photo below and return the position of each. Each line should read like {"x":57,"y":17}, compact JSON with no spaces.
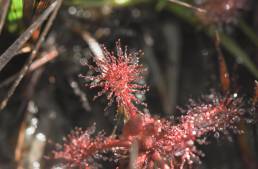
{"x":216,"y":135}
{"x":190,"y":142}
{"x":249,"y":121}
{"x":179,"y":153}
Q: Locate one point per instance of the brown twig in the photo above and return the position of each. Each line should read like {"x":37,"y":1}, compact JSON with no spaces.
{"x":5,"y":6}
{"x":25,"y":36}
{"x":20,"y":145}
{"x":44,"y":59}
{"x":223,"y":70}
{"x":28,"y":93}
{"x":25,"y":69}
{"x":255,"y":100}
{"x":47,"y":57}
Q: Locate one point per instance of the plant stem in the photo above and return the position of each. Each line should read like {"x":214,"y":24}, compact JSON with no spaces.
{"x":249,"y":32}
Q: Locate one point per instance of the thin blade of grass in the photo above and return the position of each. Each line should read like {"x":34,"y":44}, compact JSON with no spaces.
{"x":248,"y":31}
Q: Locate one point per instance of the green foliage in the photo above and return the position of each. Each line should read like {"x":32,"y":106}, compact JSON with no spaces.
{"x":15,"y":14}
{"x":16,"y":10}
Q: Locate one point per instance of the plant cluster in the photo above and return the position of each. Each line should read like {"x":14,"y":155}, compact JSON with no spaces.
{"x":147,"y":141}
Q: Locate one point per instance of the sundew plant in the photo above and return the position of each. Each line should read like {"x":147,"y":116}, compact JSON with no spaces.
{"x":128,"y":84}
{"x":147,"y":141}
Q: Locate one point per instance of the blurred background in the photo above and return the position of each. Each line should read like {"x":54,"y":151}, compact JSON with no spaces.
{"x":190,"y":47}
